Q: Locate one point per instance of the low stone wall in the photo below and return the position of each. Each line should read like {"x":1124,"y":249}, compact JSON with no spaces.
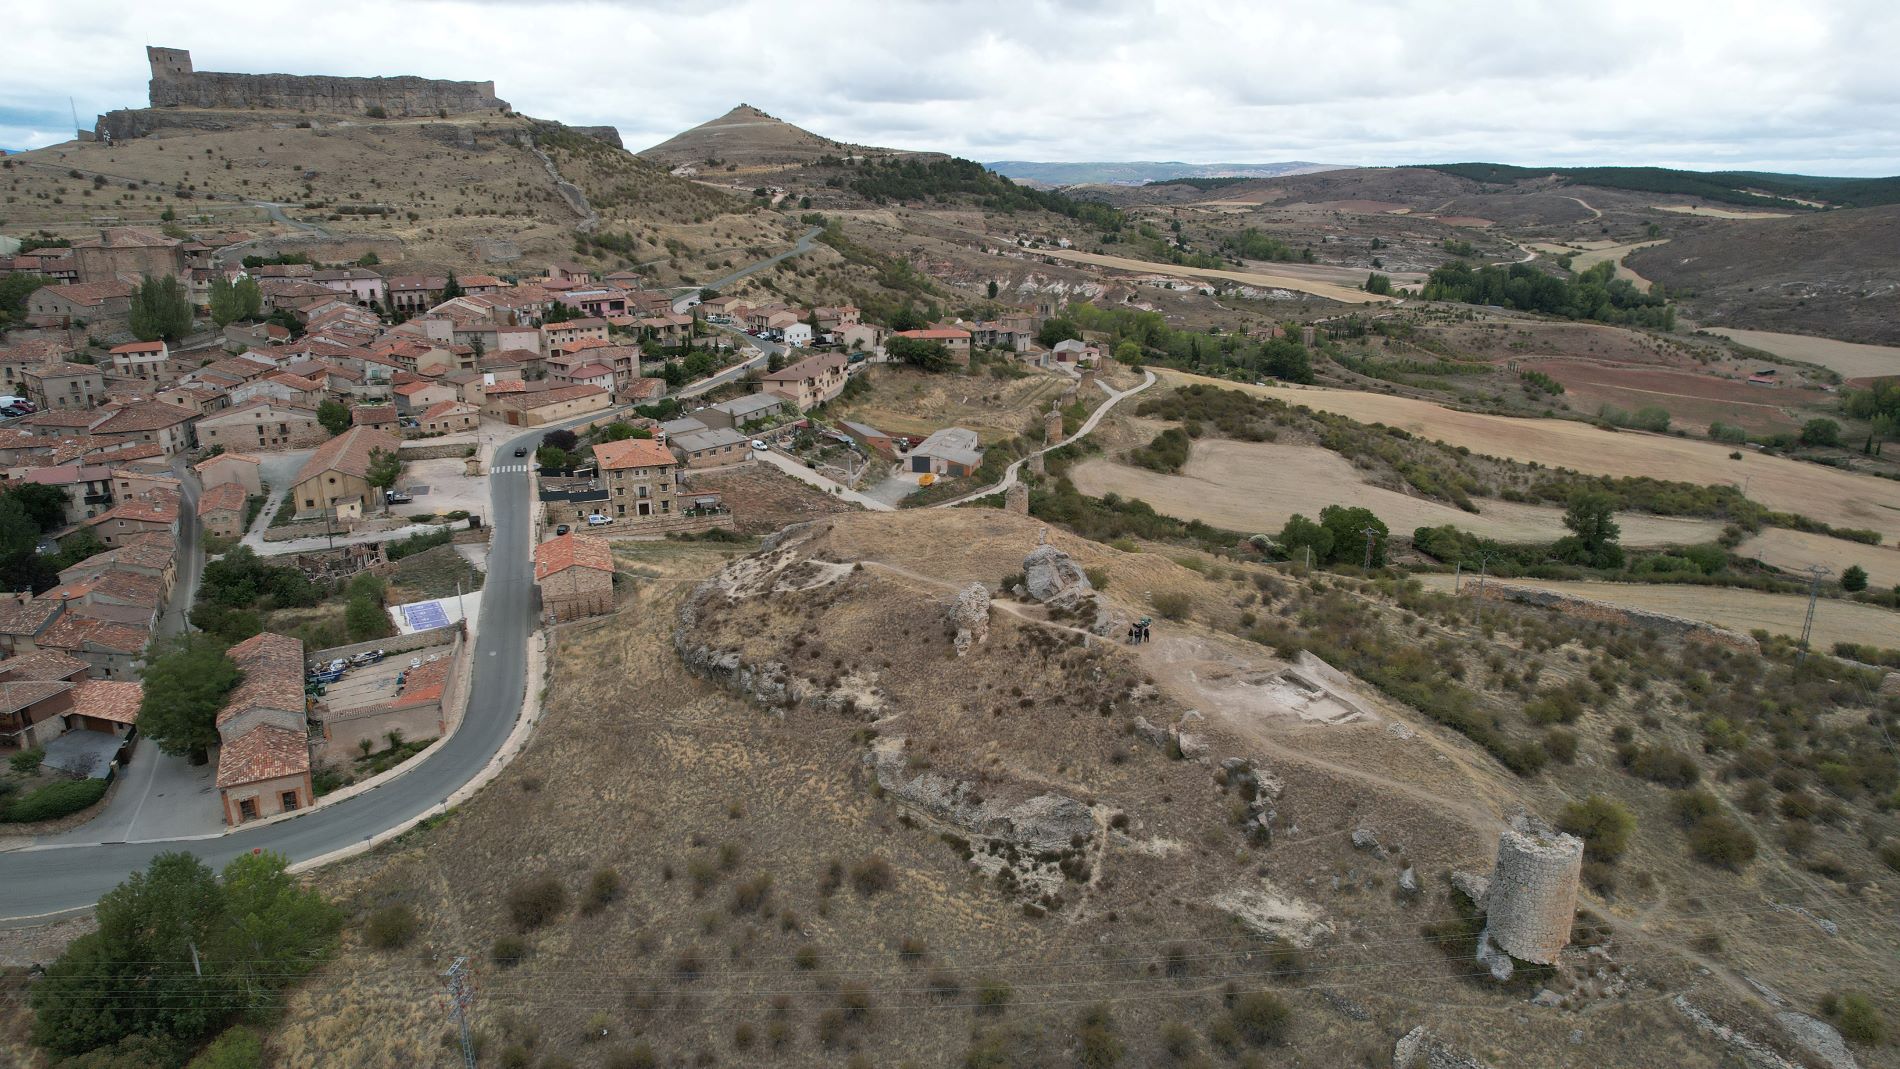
{"x":668,"y":525}
{"x":290,"y":532}
{"x":433,"y":450}
{"x":448,"y":634}
{"x":1603,"y":612}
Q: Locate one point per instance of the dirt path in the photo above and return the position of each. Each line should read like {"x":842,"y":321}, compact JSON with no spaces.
{"x":1009,"y":474}
{"x":1594,"y":214}
{"x":1837,"y":497}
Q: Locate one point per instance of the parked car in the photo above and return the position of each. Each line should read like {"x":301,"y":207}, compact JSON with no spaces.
{"x":758,"y":445}
{"x":560,"y":528}
{"x":522,"y":452}
{"x":367,"y":657}
{"x":597,"y":520}
{"x":397,"y":497}
{"x":415,"y":663}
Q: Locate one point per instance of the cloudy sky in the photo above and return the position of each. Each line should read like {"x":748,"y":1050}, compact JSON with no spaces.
{"x":1811,"y":86}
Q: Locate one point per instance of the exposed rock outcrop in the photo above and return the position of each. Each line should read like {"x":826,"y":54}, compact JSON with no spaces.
{"x":1053,"y":578}
{"x":970,"y":617}
{"x":1420,"y":1049}
{"x":175,"y":84}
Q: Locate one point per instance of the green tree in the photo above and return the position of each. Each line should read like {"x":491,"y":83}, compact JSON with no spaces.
{"x":160,"y":309}
{"x":451,"y":289}
{"x":992,"y":289}
{"x":385,"y":467}
{"x":1854,"y":579}
{"x":44,"y":505}
{"x":1820,"y":432}
{"x":250,"y":299}
{"x":1604,"y":825}
{"x":1378,"y":283}
{"x":185,"y":685}
{"x":274,"y":929}
{"x":334,"y":415}
{"x":364,"y":619}
{"x":1594,"y":533}
{"x":673,"y":374}
{"x":369,"y":259}
{"x":1057,"y":329}
{"x":237,"y":1048}
{"x":224,"y":301}
{"x":14,"y":291}
{"x":1879,"y":405}
{"x":1350,"y":527}
{"x":21,"y":565}
{"x":926,"y":355}
{"x":1128,"y":351}
{"x":1300,"y":534}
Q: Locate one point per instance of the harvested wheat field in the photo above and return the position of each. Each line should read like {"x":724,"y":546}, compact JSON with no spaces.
{"x":1794,"y":551}
{"x":1836,"y":497}
{"x":1255,"y":486}
{"x":1851,"y":359}
{"x":1733,"y":608}
{"x":1717,"y":213}
{"x":1327,"y":290}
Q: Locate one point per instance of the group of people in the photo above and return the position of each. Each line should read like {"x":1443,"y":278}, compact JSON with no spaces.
{"x":1138,"y":631}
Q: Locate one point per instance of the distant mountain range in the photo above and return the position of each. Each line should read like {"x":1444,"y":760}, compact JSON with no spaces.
{"x":1139,"y":172}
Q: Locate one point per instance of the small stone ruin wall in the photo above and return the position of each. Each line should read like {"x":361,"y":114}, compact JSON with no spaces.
{"x":1602,"y":612}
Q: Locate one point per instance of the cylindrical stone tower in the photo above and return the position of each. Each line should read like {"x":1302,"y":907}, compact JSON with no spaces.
{"x":1052,"y":425}
{"x":1532,"y":900}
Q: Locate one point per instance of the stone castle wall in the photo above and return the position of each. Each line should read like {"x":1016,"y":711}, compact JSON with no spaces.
{"x":176,"y":85}
{"x":1602,"y":612}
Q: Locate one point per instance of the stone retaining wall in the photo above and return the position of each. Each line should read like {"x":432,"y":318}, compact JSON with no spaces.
{"x":1603,"y":612}
{"x":433,"y":451}
{"x":668,"y":525}
{"x":394,"y":644}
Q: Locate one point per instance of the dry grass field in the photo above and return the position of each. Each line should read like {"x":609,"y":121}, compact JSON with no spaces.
{"x":906,"y":401}
{"x":1851,"y":359}
{"x":1733,"y":608}
{"x":1718,"y":213}
{"x":1794,"y":551}
{"x":1827,"y":494}
{"x":1254,"y":486}
{"x":1330,"y":291}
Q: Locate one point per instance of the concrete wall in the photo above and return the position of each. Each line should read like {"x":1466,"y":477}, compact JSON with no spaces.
{"x":392,"y":645}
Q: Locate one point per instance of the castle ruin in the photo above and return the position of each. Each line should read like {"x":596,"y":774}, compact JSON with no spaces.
{"x":176,"y":85}
{"x":1530,"y":901}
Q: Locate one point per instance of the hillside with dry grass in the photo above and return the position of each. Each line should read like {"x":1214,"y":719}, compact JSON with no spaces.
{"x":771,"y":817}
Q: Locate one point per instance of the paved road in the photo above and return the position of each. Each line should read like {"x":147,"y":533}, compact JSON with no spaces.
{"x":44,"y":880}
{"x":799,"y":248}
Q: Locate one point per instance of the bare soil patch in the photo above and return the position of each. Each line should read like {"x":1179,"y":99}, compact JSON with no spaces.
{"x":764,"y":499}
{"x":1693,"y":399}
{"x":1254,"y":486}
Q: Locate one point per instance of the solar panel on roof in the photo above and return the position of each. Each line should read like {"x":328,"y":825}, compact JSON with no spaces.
{"x":425,"y":614}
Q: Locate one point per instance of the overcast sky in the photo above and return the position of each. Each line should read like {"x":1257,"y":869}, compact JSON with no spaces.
{"x":1812,"y":86}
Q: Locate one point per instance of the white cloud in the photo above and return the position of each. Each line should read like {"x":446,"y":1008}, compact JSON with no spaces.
{"x":1702,"y":83}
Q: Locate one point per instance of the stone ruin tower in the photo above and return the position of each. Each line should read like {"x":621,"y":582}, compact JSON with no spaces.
{"x":1016,"y":499}
{"x":168,"y":63}
{"x":1052,"y":425}
{"x":1531,"y":899}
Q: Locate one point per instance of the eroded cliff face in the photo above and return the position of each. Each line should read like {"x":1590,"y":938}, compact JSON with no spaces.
{"x":397,"y":96}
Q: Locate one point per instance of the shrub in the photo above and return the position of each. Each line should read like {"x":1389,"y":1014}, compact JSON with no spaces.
{"x":1665,"y":765}
{"x":1179,"y":1041}
{"x":508,"y":951}
{"x":750,"y":895}
{"x":873,"y":874}
{"x":911,"y":949}
{"x":638,"y":1056}
{"x":1561,"y":745}
{"x":806,"y":957}
{"x":237,"y":1048}
{"x":536,"y":902}
{"x":1173,"y":604}
{"x":1095,"y":1032}
{"x":27,"y":762}
{"x":1719,"y":840}
{"x":1859,"y":1019}
{"x":1602,"y":823}
{"x":55,"y":800}
{"x":391,"y":928}
{"x":1692,"y":807}
{"x":602,"y":889}
{"x":992,"y":996}
{"x":1261,"y":1017}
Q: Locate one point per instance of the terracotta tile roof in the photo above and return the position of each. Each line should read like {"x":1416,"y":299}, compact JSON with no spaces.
{"x":425,"y":684}
{"x":506,"y":386}
{"x":143,"y":416}
{"x":156,"y":557}
{"x":273,"y":676}
{"x":128,"y":237}
{"x":242,"y":458}
{"x":89,"y":293}
{"x":43,"y":664}
{"x":410,"y":389}
{"x":265,"y":752}
{"x":140,"y":347}
{"x":632,"y":453}
{"x":73,"y":631}
{"x":138,"y":512}
{"x":444,"y":408}
{"x":549,"y":397}
{"x":25,"y":693}
{"x":347,"y":453}
{"x":225,"y":497}
{"x":810,"y":367}
{"x":936,"y":334}
{"x":20,"y":615}
{"x":575,"y":550}
{"x":586,"y":323}
{"x":641,"y":389}
{"x":590,"y":371}
{"x":108,"y":700}
{"x":119,"y":453}
{"x":372,"y":415}
{"x":295,"y":382}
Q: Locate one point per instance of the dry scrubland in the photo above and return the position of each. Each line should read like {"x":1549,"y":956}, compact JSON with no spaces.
{"x":904,"y":401}
{"x":1853,"y":360}
{"x":1731,"y":607}
{"x":1255,"y":486}
{"x":1826,"y":494}
{"x":729,"y":938}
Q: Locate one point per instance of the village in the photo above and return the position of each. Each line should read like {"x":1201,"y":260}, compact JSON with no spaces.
{"x":340,"y":417}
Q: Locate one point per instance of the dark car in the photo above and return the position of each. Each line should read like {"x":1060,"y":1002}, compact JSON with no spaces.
{"x":521,"y":452}
{"x":560,"y":528}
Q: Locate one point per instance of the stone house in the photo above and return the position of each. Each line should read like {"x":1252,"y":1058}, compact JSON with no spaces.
{"x":381,"y":417}
{"x":262,"y":426}
{"x":33,"y":711}
{"x":415,"y":293}
{"x":263,"y":732}
{"x":535,"y":408}
{"x":447,"y":417}
{"x":711,"y":448}
{"x":810,"y":382}
{"x":638,"y":475}
{"x":229,"y":467}
{"x":62,"y":385}
{"x":952,"y":451}
{"x":88,"y":487}
{"x":129,"y":250}
{"x":575,"y":574}
{"x":152,"y":422}
{"x":128,"y":519}
{"x":558,"y":335}
{"x":954,"y":339}
{"x":84,"y":302}
{"x":413,"y":397}
{"x":337,"y":474}
{"x":142,"y":360}
{"x":360,"y":284}
{"x":221,"y":510}
{"x":741,"y":411}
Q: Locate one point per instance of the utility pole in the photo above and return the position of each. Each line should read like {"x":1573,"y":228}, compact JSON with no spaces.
{"x":1370,"y":533}
{"x":461,"y":997}
{"x":1816,"y":573}
{"x":1484,"y":569}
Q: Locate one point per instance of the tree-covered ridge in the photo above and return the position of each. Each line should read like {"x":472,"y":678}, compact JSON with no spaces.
{"x":1596,"y":294}
{"x":911,"y":180}
{"x":1759,"y":189}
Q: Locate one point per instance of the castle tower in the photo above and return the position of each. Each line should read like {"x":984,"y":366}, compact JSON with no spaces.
{"x":1052,"y":425}
{"x":1532,"y":898}
{"x":168,"y":62}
